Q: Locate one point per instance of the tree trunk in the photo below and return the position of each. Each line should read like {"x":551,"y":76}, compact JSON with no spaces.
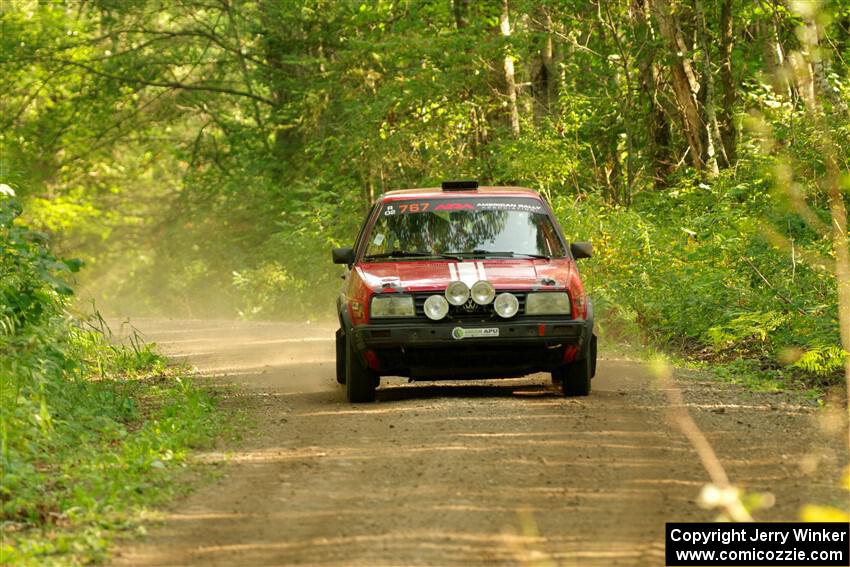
{"x":510,"y":80}
{"x":287,"y":139}
{"x":804,"y":64}
{"x":728,"y":132}
{"x":626,"y":100}
{"x":685,"y":85}
{"x":461,"y":10}
{"x":715,"y":154}
{"x":812,"y":69}
{"x":546,"y":78}
{"x":775,"y":55}
{"x":657,"y":121}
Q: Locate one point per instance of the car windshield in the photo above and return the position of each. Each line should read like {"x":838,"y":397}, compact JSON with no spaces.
{"x":458,"y":228}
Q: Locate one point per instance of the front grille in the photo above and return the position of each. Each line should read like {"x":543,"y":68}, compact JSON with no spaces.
{"x":470,"y":311}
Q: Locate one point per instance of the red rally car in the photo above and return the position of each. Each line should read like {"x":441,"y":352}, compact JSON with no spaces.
{"x":463,"y":282}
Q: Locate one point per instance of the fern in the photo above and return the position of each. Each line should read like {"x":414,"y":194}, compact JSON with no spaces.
{"x":749,"y":327}
{"x":822,"y":359}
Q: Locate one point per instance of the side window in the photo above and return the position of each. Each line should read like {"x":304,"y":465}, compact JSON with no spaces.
{"x":556,"y":247}
{"x":359,"y":241}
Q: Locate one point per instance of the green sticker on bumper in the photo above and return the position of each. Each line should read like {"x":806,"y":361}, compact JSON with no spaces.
{"x":461,"y":333}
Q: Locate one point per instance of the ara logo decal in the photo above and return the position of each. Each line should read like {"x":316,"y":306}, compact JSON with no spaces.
{"x":455,"y":207}
{"x":457,"y":333}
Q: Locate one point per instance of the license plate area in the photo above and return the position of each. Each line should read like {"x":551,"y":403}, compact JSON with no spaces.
{"x":459,"y":333}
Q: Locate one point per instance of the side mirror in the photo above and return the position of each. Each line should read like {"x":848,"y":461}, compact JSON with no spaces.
{"x":343,"y":256}
{"x":581,"y":250}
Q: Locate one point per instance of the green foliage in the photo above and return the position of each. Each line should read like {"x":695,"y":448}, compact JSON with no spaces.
{"x":262,"y":287}
{"x":202,"y":158}
{"x":744,"y":330}
{"x":822,"y":360}
{"x":90,"y":429}
{"x":695,"y":279}
{"x":114,"y":447}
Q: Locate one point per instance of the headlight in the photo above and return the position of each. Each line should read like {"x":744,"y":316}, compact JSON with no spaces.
{"x":436,"y":307}
{"x":483,"y":292}
{"x":457,"y":293}
{"x":506,"y":305}
{"x":547,"y":303}
{"x":392,"y":305}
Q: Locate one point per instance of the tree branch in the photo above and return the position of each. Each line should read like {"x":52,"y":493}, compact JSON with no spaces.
{"x":168,"y":84}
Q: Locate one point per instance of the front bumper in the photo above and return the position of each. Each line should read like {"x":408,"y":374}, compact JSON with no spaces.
{"x":433,"y":350}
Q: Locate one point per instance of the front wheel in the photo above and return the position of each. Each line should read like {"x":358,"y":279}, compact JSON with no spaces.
{"x":574,"y":378}
{"x":360,"y":381}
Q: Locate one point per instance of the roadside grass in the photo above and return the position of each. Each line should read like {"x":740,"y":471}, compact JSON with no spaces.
{"x":114,"y":441}
{"x":621,"y":337}
{"x":751,"y":374}
{"x":747,"y":373}
{"x":92,"y":430}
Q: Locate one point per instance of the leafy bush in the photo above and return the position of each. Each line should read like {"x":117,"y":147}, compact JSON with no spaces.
{"x":694,"y":268}
{"x":89,"y":429}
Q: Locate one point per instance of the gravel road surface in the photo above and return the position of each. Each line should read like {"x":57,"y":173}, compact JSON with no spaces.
{"x":464,"y":473}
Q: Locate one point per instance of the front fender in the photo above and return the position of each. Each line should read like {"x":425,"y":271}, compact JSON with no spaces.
{"x":343,"y":313}
{"x":589,"y":317}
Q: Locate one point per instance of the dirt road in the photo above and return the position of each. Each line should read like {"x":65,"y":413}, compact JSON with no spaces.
{"x":468,"y":473}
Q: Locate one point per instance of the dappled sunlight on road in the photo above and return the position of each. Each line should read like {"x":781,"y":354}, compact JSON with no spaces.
{"x":446,"y":473}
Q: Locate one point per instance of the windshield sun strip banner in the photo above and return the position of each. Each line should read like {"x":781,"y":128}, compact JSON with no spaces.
{"x":418,"y":206}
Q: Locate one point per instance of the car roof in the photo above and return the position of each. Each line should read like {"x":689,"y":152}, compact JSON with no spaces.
{"x":437,"y":192}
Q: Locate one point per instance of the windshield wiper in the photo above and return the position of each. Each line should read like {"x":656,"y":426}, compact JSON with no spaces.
{"x":409,"y":254}
{"x":502,"y":254}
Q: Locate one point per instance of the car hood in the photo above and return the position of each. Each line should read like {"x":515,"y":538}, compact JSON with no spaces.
{"x":431,"y":275}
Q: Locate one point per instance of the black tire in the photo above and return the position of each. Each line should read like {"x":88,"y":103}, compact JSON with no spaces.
{"x":574,"y":378}
{"x":340,"y":356}
{"x":360,"y":382}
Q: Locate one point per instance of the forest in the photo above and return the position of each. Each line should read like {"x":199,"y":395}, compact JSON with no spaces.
{"x":199,"y":158}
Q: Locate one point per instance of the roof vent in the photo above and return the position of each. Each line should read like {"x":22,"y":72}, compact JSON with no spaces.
{"x":466,"y":185}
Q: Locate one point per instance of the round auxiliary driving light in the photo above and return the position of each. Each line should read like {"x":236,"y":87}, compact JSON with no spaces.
{"x":483,"y":292}
{"x":457,"y":293}
{"x":506,"y":305}
{"x":436,"y":307}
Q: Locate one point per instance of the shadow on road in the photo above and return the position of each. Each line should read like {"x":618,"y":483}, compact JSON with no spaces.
{"x":416,"y":391}
{"x":497,"y":472}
